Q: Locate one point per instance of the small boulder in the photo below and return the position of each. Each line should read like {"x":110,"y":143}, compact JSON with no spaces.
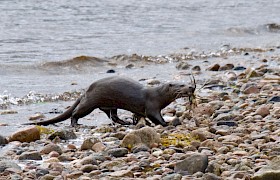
{"x":226,"y":67}
{"x":146,"y":135}
{"x":28,"y":134}
{"x":51,"y":147}
{"x":64,"y":134}
{"x":33,"y":155}
{"x":214,"y":67}
{"x":5,"y":164}
{"x":117,"y":152}
{"x":98,"y":147}
{"x":122,"y":173}
{"x":3,"y":140}
{"x":36,"y":116}
{"x":88,"y":143}
{"x":271,"y":171}
{"x":263,"y":110}
{"x":196,"y":68}
{"x":182,"y":66}
{"x":192,"y":164}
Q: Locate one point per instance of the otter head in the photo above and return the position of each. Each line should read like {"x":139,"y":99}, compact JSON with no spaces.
{"x":181,"y":90}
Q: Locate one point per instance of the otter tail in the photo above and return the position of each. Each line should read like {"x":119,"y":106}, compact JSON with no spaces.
{"x":67,"y":114}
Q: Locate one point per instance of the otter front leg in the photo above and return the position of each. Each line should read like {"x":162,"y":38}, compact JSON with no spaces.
{"x":156,"y":118}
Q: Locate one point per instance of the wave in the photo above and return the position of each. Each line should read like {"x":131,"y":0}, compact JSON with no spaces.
{"x":242,"y":31}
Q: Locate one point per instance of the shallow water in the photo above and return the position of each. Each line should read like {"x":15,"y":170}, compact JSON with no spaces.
{"x":37,"y":37}
{"x":32,"y":30}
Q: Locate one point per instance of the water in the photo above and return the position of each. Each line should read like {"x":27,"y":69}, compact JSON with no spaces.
{"x":32,"y":30}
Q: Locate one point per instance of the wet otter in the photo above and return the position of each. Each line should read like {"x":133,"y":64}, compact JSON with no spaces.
{"x":112,"y":93}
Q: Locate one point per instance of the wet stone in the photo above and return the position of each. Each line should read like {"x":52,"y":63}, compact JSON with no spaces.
{"x":51,"y":147}
{"x":63,"y":134}
{"x":194,"y":163}
{"x":5,"y":164}
{"x":3,"y":140}
{"x":141,"y":147}
{"x":118,"y":152}
{"x":34,"y":155}
{"x":227,"y":123}
{"x":274,"y":99}
{"x":214,"y":67}
{"x":174,"y":176}
{"x":239,"y":68}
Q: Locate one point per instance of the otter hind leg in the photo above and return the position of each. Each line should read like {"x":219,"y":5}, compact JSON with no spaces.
{"x":112,"y":113}
{"x":80,"y":111}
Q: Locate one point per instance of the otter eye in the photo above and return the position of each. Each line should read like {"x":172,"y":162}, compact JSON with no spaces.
{"x":170,"y":85}
{"x":182,"y":85}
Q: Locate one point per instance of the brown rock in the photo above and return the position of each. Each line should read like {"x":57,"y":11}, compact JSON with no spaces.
{"x":253,"y":89}
{"x":51,"y":147}
{"x":98,"y":147}
{"x":36,"y":116}
{"x":28,"y":134}
{"x":88,"y":143}
{"x":122,"y":173}
{"x":145,"y":135}
{"x":204,"y":109}
{"x":214,"y":67}
{"x":263,"y":110}
{"x":226,"y":67}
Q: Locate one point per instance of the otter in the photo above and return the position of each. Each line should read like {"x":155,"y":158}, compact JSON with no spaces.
{"x":113,"y":93}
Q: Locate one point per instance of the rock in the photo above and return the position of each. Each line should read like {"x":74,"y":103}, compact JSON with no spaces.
{"x":117,"y":152}
{"x":239,"y":68}
{"x":269,"y":172}
{"x":274,"y":99}
{"x":88,"y":143}
{"x":120,"y":135}
{"x":249,"y":88}
{"x":4,"y":112}
{"x":214,"y":67}
{"x":230,"y":76}
{"x":41,"y":172}
{"x":211,"y":176}
{"x":175,"y":122}
{"x":33,"y":155}
{"x":204,"y":109}
{"x":5,"y":164}
{"x":182,"y":66}
{"x":192,"y":164}
{"x":196,"y":68}
{"x":63,"y":134}
{"x":28,"y":134}
{"x":47,"y":177}
{"x":263,"y":110}
{"x":226,"y":67}
{"x":230,"y":138}
{"x":173,"y":176}
{"x":146,"y":135}
{"x":88,"y":168}
{"x":122,"y":173}
{"x":227,"y":123}
{"x":3,"y":140}
{"x":251,"y":73}
{"x":141,"y":147}
{"x":88,"y":160}
{"x":51,"y":147}
{"x":36,"y":116}
{"x":153,"y":82}
{"x":98,"y":147}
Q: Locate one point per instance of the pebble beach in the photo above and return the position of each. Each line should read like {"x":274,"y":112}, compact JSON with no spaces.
{"x":231,"y":133}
